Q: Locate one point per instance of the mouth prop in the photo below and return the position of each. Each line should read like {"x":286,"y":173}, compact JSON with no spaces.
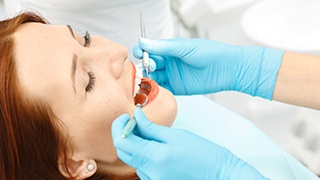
{"x":148,"y":91}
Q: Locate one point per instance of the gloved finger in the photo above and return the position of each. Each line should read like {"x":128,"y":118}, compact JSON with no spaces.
{"x":124,"y":156}
{"x":118,"y":125}
{"x":159,"y":76}
{"x":165,"y":47}
{"x":137,"y":51}
{"x":133,"y":149}
{"x":136,"y":152}
{"x":159,"y":61}
{"x":124,"y":143}
{"x":152,"y":65}
{"x":149,"y":130}
{"x":142,"y":176}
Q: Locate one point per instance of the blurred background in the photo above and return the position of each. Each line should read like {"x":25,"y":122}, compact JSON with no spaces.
{"x":292,"y":25}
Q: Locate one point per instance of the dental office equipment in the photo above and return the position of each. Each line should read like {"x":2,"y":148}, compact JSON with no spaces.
{"x":132,"y":122}
{"x":145,"y":61}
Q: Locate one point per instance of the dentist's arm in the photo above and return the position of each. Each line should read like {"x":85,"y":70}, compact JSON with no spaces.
{"x":159,"y":152}
{"x":298,"y":80}
{"x":200,"y":66}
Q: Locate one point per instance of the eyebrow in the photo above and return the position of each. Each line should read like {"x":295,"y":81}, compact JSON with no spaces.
{"x":71,"y":31}
{"x":74,"y":63}
{"x":73,"y":71}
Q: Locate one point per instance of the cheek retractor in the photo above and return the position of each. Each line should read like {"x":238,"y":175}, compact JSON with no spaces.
{"x":140,"y":99}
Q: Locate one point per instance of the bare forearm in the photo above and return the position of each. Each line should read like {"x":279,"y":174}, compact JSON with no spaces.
{"x":298,"y":80}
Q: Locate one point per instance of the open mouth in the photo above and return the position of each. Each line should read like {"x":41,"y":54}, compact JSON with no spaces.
{"x":145,"y":90}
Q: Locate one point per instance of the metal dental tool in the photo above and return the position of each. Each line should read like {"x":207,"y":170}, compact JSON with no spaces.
{"x":145,"y":61}
{"x":132,"y":122}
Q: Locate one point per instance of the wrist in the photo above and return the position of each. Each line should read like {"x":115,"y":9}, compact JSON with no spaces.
{"x":258,"y":71}
{"x":239,"y":169}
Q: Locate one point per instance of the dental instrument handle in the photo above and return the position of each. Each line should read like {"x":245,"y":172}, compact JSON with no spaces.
{"x":145,"y":61}
{"x":132,"y":122}
{"x":129,"y":127}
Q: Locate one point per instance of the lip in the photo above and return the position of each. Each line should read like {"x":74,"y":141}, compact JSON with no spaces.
{"x":133,"y":76}
{"x":147,"y":86}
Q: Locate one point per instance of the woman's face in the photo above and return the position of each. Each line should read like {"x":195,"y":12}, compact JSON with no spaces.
{"x":87,"y":87}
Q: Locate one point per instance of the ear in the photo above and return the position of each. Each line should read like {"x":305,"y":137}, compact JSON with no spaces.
{"x":80,"y":169}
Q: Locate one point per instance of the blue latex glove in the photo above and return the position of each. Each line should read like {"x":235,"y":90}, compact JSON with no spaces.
{"x":158,"y":152}
{"x":202,"y":66}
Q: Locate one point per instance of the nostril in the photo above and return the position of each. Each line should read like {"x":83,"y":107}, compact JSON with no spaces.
{"x":126,"y":58}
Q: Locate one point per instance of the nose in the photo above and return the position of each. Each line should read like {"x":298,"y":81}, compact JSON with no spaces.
{"x":118,"y":54}
{"x":110,"y":55}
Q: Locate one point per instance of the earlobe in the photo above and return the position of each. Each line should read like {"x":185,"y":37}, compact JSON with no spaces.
{"x":81,"y":169}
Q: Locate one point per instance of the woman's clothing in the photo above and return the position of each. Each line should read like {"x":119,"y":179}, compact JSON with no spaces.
{"x":241,"y":137}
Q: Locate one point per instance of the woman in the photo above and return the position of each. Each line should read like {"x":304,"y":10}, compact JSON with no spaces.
{"x":60,"y":94}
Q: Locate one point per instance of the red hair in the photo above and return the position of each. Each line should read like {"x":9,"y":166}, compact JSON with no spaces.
{"x":30,"y":142}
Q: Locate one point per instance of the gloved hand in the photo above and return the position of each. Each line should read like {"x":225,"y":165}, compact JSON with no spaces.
{"x":158,"y":152}
{"x":202,"y":66}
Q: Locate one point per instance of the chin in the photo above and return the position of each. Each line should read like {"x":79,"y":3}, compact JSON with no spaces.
{"x":163,"y":109}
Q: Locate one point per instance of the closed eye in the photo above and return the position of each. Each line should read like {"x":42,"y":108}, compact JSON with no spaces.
{"x":91,"y":82}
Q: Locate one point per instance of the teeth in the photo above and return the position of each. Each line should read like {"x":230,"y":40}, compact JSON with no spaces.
{"x":137,"y":81}
{"x":139,"y":74}
{"x":136,"y":89}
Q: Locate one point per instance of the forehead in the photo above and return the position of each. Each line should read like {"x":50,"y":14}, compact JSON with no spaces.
{"x":41,"y":54}
{"x":34,"y":41}
{"x":37,"y":32}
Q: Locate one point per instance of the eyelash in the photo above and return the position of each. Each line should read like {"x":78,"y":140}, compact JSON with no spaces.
{"x":91,"y":82}
{"x":87,"y":42}
{"x":87,"y":39}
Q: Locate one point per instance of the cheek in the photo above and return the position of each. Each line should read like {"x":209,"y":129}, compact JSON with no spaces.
{"x":99,"y":135}
{"x":163,"y":110}
{"x":113,"y":101}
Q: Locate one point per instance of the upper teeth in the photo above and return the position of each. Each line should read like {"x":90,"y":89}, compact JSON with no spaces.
{"x":137,"y":81}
